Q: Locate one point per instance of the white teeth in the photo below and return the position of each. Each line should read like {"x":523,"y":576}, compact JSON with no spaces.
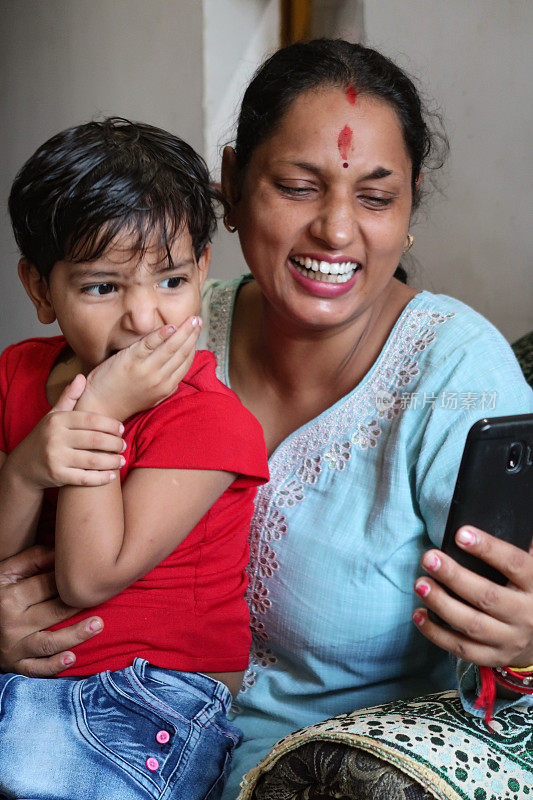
{"x":325,"y":270}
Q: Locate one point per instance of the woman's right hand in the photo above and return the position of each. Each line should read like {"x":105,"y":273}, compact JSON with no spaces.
{"x":29,"y":604}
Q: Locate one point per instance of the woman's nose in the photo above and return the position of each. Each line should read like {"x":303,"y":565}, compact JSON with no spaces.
{"x":141,"y":311}
{"x":335,"y":223}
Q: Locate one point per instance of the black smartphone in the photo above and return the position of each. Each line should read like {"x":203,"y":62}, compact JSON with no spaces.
{"x":494,"y":489}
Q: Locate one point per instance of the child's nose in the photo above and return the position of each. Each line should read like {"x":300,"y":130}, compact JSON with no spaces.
{"x":141,"y":311}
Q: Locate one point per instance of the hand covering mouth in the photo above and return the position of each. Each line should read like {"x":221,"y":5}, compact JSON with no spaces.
{"x":325,"y":271}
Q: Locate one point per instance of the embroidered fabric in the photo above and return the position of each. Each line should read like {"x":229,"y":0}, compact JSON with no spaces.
{"x":356,"y":420}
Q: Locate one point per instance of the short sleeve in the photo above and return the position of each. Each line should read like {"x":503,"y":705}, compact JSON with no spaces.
{"x":485,"y":380}
{"x":203,"y":430}
{"x":4,"y":383}
{"x":483,"y":369}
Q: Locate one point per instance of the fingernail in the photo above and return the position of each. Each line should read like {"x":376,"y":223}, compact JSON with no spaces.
{"x":122,"y":460}
{"x":68,"y":660}
{"x":171,"y":329}
{"x":431,"y":562}
{"x":124,"y":447}
{"x":112,"y":476}
{"x":195,"y":322}
{"x":121,"y":428}
{"x":422,"y":588}
{"x":94,"y":625}
{"x":465,"y":536}
{"x":418,"y":618}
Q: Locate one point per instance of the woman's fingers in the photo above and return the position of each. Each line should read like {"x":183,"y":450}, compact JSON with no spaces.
{"x":473,"y":624}
{"x":511,"y":561}
{"x":30,"y":562}
{"x":457,"y":643}
{"x":45,"y":653}
{"x":498,"y":601}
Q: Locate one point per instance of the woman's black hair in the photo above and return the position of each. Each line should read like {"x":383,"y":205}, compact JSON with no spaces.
{"x":89,"y":184}
{"x":305,"y":66}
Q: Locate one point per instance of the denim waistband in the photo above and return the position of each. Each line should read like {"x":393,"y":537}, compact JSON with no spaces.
{"x":198,"y":681}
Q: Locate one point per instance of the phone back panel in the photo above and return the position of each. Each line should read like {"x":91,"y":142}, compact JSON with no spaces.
{"x":490,"y":496}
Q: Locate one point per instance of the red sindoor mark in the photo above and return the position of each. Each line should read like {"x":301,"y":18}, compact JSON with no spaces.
{"x":343,"y":143}
{"x":351,"y":94}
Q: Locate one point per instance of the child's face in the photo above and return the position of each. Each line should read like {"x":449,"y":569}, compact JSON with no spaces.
{"x":106,"y":305}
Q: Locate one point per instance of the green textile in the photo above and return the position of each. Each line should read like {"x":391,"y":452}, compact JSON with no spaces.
{"x":449,"y":753}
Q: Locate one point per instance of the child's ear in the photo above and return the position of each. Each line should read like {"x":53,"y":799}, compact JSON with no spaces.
{"x":37,"y":290}
{"x":230,"y":182}
{"x":203,"y":264}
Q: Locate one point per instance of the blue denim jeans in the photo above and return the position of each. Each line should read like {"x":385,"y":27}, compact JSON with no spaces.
{"x":141,"y":732}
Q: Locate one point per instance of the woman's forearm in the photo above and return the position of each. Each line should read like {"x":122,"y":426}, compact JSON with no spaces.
{"x":20,"y":507}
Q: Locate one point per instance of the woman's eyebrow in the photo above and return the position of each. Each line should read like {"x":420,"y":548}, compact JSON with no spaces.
{"x":378,"y":172}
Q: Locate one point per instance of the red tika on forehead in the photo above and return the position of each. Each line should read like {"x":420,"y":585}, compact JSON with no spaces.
{"x":343,"y":143}
{"x":351,"y":94}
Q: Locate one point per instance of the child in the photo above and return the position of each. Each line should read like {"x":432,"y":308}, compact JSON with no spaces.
{"x":113,"y":220}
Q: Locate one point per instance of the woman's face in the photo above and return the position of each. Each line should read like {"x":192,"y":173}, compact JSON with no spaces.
{"x":324,"y":209}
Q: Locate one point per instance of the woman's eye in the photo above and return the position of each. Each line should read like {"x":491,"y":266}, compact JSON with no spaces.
{"x":295,"y":191}
{"x":376,"y":202}
{"x":99,"y":289}
{"x":172,"y":283}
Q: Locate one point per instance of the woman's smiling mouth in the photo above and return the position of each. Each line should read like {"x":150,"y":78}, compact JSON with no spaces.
{"x":325,"y":271}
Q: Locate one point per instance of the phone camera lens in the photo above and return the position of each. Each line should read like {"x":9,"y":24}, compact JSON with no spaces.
{"x":514,"y":457}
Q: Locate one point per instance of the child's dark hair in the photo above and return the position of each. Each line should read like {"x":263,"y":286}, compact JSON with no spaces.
{"x":305,"y":66}
{"x":91,"y":182}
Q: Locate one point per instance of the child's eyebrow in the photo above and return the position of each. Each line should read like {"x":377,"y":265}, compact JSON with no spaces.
{"x":186,"y":262}
{"x":81,"y":273}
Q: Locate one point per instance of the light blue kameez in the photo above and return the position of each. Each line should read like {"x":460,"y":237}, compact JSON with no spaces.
{"x":356,"y":496}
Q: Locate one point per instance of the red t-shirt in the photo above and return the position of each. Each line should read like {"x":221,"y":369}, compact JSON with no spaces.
{"x":188,"y":613}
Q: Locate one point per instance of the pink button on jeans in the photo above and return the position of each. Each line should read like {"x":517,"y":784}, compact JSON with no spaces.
{"x":152,"y":764}
{"x":163,"y":737}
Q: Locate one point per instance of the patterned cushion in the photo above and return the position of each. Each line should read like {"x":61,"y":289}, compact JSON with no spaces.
{"x":428,"y":743}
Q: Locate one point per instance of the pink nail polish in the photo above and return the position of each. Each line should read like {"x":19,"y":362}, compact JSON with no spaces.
{"x":465,"y":537}
{"x":94,"y":625}
{"x":195,"y":322}
{"x":418,"y":618}
{"x":422,"y":588}
{"x":68,"y":660}
{"x":432,"y":562}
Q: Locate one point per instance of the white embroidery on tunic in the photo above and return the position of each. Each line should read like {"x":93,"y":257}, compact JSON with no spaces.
{"x":328,"y":440}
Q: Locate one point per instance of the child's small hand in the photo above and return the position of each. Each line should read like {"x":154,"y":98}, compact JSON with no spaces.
{"x":144,"y":374}
{"x":70,"y":448}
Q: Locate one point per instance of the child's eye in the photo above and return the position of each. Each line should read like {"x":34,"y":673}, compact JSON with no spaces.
{"x":100,"y":289}
{"x":172,"y":283}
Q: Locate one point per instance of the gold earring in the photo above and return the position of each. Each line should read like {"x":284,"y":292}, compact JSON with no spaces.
{"x":228,"y":227}
{"x":410,"y":240}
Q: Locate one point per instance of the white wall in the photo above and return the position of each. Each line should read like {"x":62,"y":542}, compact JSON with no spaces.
{"x":65,"y":61}
{"x":238,"y":35}
{"x":475,"y":59}
{"x":182,"y":64}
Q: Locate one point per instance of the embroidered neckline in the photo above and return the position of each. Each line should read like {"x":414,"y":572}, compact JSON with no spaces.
{"x":327,"y":441}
